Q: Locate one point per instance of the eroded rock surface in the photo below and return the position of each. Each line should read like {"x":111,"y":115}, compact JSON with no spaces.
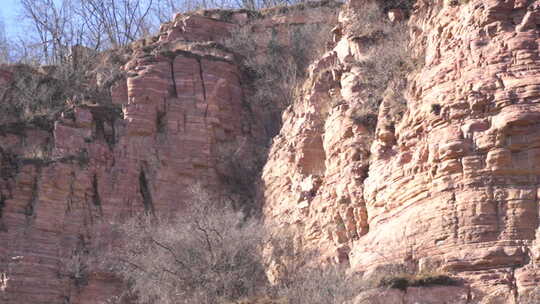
{"x":454,"y":184}
{"x":179,"y":118}
{"x":98,"y":163}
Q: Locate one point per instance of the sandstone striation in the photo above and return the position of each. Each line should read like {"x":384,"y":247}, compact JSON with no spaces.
{"x":178,"y":119}
{"x":103,"y":162}
{"x":453,"y":185}
{"x":447,"y":182}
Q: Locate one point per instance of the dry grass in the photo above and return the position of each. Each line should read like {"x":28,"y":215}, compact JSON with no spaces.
{"x":386,"y":62}
{"x":276,"y":62}
{"x":45,"y":91}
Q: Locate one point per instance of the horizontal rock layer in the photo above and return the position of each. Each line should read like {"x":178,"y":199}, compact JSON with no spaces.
{"x":179,"y":119}
{"x":454,"y":184}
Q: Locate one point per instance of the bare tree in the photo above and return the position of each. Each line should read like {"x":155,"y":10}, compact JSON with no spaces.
{"x":207,"y":254}
{"x":4,"y":43}
{"x":55,"y":25}
{"x":97,"y":24}
{"x":122,"y":21}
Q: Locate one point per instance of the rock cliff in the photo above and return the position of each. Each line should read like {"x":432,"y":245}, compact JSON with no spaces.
{"x":452,"y":185}
{"x":179,"y":118}
{"x":444,"y":181}
{"x":140,"y":153}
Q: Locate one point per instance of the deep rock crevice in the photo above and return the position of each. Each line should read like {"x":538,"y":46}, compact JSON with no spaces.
{"x":146,"y":195}
{"x":3,"y":227}
{"x":173,"y":90}
{"x":96,"y":200}
{"x":201,"y":76}
{"x":30,"y":208}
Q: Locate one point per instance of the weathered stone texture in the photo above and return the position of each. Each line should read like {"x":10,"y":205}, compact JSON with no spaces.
{"x":101,"y":163}
{"x":454,"y":185}
{"x":175,"y":121}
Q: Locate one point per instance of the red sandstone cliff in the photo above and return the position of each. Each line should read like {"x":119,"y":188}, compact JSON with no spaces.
{"x":453,"y":184}
{"x":106,"y":163}
{"x":182,"y":105}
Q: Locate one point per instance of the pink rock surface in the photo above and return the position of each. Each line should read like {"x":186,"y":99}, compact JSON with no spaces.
{"x":415,"y":295}
{"x":181,"y":104}
{"x":455,"y":190}
{"x":175,"y":112}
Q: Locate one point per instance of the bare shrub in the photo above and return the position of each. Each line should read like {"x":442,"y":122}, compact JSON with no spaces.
{"x":209,"y":254}
{"x":403,"y":276}
{"x":325,"y":285}
{"x":300,"y":277}
{"x":387,"y":59}
{"x":406,"y":5}
{"x":34,"y":92}
{"x":31,"y":93}
{"x":404,"y":280}
{"x":276,"y":61}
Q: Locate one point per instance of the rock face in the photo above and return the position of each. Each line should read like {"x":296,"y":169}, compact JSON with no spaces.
{"x":451,"y":186}
{"x":104,"y":162}
{"x":414,"y":295}
{"x":177,"y":120}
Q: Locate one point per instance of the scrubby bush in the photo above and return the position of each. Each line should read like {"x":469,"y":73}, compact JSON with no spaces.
{"x":386,"y":60}
{"x":32,"y":92}
{"x":403,"y":276}
{"x":325,"y":285}
{"x":423,"y":279}
{"x":406,"y":5}
{"x":276,"y":61}
{"x":209,"y":254}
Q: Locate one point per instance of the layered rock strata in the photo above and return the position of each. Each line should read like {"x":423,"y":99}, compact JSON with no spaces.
{"x":180,"y":113}
{"x":179,"y":118}
{"x":451,"y":186}
{"x":101,"y":163}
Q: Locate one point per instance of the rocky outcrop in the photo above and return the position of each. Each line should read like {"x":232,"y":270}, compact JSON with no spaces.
{"x":413,"y":295}
{"x":178,"y":119}
{"x":450,"y":186}
{"x":99,"y":163}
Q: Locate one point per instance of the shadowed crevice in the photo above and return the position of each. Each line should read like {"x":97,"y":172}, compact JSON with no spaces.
{"x":145,"y":193}
{"x":173,"y":92}
{"x":96,"y":200}
{"x":202,"y":78}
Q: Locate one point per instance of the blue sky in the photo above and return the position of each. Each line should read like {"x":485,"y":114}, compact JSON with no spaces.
{"x":10,"y":10}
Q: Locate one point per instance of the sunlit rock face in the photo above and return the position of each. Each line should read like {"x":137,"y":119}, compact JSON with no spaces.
{"x":451,"y":186}
{"x":454,"y":184}
{"x":176,"y":120}
{"x":142,"y":153}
